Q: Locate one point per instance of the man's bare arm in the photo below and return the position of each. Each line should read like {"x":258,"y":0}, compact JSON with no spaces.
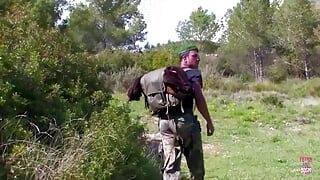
{"x":202,"y":107}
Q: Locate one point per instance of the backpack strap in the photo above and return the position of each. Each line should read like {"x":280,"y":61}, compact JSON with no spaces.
{"x":168,"y":102}
{"x":181,"y":106}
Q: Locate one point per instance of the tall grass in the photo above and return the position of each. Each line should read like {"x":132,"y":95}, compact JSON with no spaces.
{"x":292,"y":87}
{"x":33,"y":160}
{"x":111,"y":147}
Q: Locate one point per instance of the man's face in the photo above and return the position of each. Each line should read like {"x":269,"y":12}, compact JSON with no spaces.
{"x":193,"y":59}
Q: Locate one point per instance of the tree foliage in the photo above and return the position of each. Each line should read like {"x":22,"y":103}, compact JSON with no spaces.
{"x":259,"y":31}
{"x":43,"y":83}
{"x":47,"y":12}
{"x":294,"y":27}
{"x":50,"y":90}
{"x":248,"y":34}
{"x":107,"y":24}
{"x":248,"y":25}
{"x":200,"y":26}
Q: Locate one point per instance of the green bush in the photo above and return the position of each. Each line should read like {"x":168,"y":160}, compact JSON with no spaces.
{"x":226,"y":84}
{"x":273,"y":100}
{"x":264,"y":86}
{"x":245,"y":77}
{"x":49,"y":92}
{"x":33,"y":160}
{"x":212,"y":82}
{"x":110,"y":148}
{"x":115,"y":150}
{"x":276,"y":138}
{"x":224,"y":67}
{"x":277,"y":73}
{"x":157,"y":58}
{"x":233,"y":85}
{"x":115,"y":60}
{"x":43,"y":80}
{"x":305,"y":88}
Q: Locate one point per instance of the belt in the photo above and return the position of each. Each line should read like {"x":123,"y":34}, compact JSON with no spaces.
{"x":166,"y":116}
{"x":172,"y":113}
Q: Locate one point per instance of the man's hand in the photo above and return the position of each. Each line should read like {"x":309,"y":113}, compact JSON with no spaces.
{"x":210,"y":129}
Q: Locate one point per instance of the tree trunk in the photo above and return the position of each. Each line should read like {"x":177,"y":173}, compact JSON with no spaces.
{"x":260,"y":54}
{"x":306,"y":67}
{"x":258,"y":65}
{"x":255,"y":66}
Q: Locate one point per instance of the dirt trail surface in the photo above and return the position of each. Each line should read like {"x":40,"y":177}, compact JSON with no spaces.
{"x":250,"y":95}
{"x":309,"y":101}
{"x":153,"y":141}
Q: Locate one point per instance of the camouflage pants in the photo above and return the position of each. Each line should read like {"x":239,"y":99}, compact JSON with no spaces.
{"x":181,"y":135}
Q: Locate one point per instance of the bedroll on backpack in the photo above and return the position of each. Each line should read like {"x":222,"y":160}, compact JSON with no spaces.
{"x":164,"y":88}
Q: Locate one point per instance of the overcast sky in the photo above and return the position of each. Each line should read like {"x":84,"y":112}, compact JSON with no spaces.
{"x":162,"y":16}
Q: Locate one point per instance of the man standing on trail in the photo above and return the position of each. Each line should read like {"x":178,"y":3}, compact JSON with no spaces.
{"x":180,"y":134}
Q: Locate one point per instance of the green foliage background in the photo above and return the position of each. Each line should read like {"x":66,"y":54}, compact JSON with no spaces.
{"x":50,"y":92}
{"x":59,"y":118}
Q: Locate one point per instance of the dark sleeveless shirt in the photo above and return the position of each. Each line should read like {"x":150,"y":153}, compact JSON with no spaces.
{"x":194,"y":75}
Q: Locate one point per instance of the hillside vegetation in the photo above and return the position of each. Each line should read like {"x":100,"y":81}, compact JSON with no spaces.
{"x":63,"y":114}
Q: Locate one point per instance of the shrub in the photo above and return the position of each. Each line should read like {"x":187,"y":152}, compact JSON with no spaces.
{"x":245,"y":77}
{"x":43,"y":79}
{"x":273,"y":100}
{"x":277,"y":73}
{"x":45,"y":83}
{"x":224,"y":67}
{"x":113,"y":61}
{"x":306,"y":88}
{"x":275,"y":138}
{"x":230,"y":84}
{"x":212,"y":82}
{"x":33,"y":160}
{"x":264,"y":86}
{"x":233,"y":85}
{"x":115,"y":150}
{"x":157,"y":58}
{"x":110,"y":148}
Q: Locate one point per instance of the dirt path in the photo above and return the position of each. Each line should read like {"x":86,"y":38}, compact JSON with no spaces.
{"x":309,"y":101}
{"x":153,"y":141}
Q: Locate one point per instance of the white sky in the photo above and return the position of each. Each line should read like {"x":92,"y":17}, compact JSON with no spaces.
{"x":162,"y":16}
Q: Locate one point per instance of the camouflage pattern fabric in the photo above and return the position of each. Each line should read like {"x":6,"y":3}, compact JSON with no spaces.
{"x":181,"y":135}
